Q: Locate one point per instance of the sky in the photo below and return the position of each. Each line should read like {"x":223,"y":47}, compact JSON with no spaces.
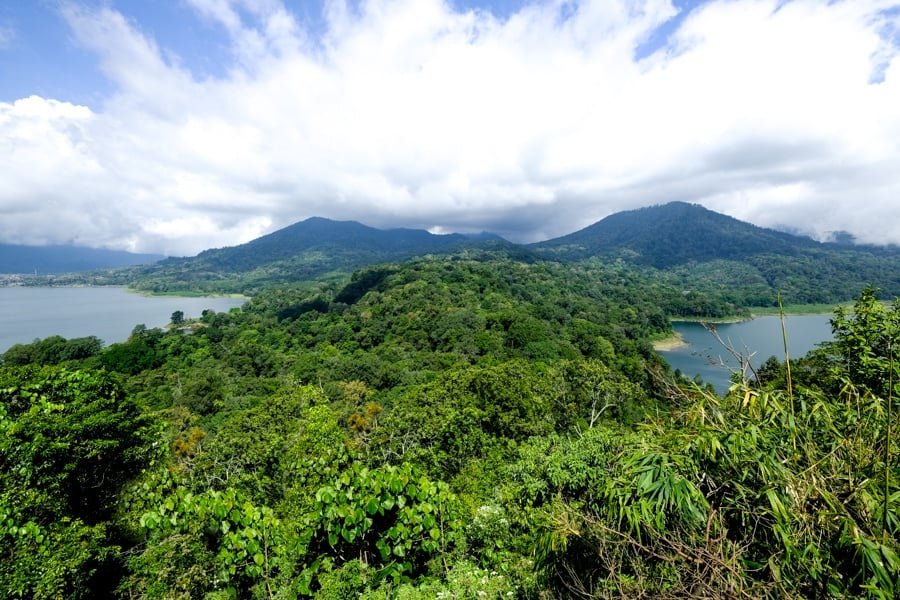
{"x":172,"y":126}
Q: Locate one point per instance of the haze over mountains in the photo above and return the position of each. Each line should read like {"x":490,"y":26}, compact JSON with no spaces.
{"x":16,"y":259}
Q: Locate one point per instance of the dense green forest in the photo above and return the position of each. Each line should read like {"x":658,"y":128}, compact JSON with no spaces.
{"x":464,"y":426}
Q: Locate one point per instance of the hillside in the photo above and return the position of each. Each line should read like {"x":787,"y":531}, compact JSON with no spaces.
{"x":674,"y":234}
{"x":447,"y":427}
{"x":15,"y":259}
{"x":302,"y":251}
{"x":700,"y":250}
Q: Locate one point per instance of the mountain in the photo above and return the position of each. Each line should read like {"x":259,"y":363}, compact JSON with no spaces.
{"x":701,"y":250}
{"x":713,"y":259}
{"x":309,"y":249}
{"x":16,"y":259}
{"x":673,"y":234}
{"x":336,"y":237}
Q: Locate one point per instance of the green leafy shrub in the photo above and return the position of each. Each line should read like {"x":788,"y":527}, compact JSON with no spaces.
{"x":69,"y":440}
{"x":392,"y":517}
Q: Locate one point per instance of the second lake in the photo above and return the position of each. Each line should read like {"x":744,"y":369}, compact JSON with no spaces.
{"x":703,"y":355}
{"x":110,"y":313}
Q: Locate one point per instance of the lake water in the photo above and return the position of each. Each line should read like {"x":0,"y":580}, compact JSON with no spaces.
{"x":110,"y":313}
{"x":703,"y":355}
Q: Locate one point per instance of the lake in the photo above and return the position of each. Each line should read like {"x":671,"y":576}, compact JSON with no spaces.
{"x":702,"y":355}
{"x":110,"y":313}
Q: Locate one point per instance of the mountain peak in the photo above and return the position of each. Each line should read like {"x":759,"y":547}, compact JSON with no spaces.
{"x":671,"y":234}
{"x":303,"y":250}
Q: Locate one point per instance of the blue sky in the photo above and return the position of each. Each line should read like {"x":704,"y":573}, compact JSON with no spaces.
{"x":40,"y":56}
{"x":176,"y":125}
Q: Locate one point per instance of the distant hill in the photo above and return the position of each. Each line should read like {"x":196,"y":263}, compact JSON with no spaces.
{"x":16,"y":259}
{"x":305,"y":250}
{"x":702,"y":250}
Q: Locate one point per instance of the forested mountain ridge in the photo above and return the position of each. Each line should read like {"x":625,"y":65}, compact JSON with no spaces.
{"x":708,"y":257}
{"x":699,"y":250}
{"x":18,"y":259}
{"x":305,"y":250}
{"x":326,"y":235}
{"x":674,"y":234}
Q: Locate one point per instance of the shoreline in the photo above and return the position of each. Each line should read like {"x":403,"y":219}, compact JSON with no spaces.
{"x":801,"y":310}
{"x":125,"y":287}
{"x":677,"y":342}
{"x":672,"y":342}
{"x":796,"y":310}
{"x":716,"y":320}
{"x":149,"y":294}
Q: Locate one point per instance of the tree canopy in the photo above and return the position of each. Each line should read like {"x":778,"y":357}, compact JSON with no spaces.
{"x":466,"y":426}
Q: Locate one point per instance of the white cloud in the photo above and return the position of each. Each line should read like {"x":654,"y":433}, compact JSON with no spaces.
{"x":405,"y":112}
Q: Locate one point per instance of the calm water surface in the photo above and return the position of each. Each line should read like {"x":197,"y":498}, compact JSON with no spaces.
{"x":761,"y":336}
{"x":110,"y":313}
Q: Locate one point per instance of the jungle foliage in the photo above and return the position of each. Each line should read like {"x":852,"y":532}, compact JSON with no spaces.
{"x":469,"y":426}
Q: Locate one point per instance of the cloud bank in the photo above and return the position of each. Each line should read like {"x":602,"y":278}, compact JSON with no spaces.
{"x":413,"y":113}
